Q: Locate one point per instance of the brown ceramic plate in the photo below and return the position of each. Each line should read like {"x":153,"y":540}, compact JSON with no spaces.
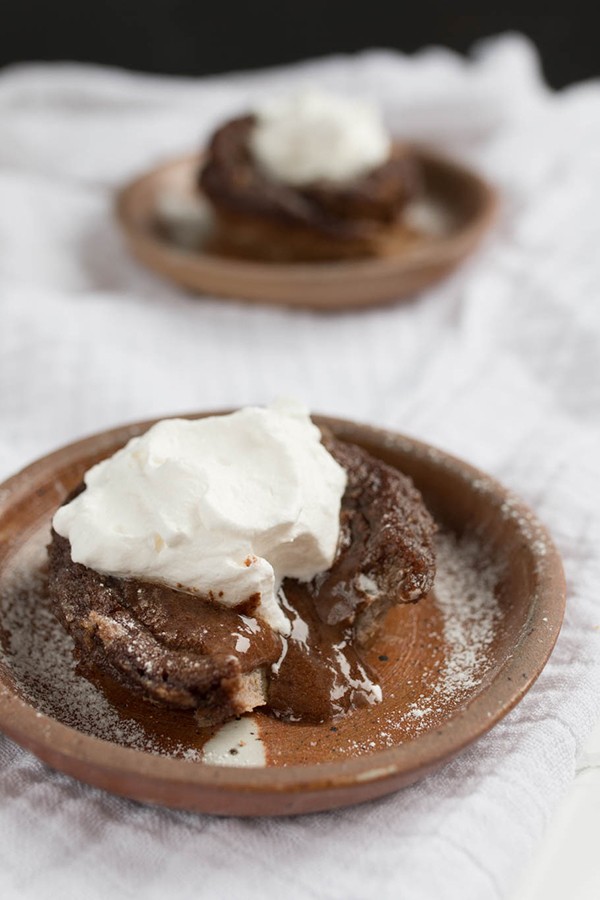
{"x":451,"y":665}
{"x":457,"y":209}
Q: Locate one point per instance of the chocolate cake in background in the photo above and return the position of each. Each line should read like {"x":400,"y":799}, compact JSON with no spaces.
{"x":351,"y":207}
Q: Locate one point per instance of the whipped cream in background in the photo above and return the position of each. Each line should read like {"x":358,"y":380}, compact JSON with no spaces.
{"x":313,"y":135}
{"x":225,"y":506}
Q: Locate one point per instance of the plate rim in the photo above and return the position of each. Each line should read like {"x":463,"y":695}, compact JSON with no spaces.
{"x":378,"y":773}
{"x":166,"y":259}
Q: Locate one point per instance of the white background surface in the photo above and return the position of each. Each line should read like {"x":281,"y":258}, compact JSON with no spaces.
{"x":500,"y":365}
{"x":566,"y":864}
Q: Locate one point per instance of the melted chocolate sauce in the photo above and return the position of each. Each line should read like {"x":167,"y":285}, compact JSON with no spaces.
{"x":320,"y":674}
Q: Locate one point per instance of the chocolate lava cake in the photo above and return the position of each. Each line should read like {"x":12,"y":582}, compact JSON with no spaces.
{"x":258,"y":217}
{"x":186,"y":652}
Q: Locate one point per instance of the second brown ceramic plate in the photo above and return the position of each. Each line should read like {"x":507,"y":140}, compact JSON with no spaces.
{"x":451,"y":665}
{"x":452,"y":217}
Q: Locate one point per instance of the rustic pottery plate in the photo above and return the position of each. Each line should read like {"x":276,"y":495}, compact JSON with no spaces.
{"x":162,"y":218}
{"x":451,"y":665}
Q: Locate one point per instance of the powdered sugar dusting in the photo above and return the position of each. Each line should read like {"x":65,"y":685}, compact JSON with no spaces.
{"x":465,"y":594}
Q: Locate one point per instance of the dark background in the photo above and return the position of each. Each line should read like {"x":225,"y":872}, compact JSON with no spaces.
{"x":197,"y":38}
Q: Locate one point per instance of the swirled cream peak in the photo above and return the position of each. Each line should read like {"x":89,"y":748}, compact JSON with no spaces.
{"x":313,"y":136}
{"x":224,"y":507}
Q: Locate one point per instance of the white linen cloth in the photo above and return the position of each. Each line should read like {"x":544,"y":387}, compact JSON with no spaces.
{"x":499,"y":364}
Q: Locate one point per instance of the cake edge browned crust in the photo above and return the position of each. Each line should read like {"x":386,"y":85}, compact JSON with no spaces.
{"x":108,"y":636}
{"x":397,"y":556}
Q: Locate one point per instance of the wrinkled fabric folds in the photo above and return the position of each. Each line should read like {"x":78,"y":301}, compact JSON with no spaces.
{"x":500,"y":364}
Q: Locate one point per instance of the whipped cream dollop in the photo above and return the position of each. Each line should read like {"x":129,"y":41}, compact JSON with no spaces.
{"x":313,"y":135}
{"x":224,"y":507}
